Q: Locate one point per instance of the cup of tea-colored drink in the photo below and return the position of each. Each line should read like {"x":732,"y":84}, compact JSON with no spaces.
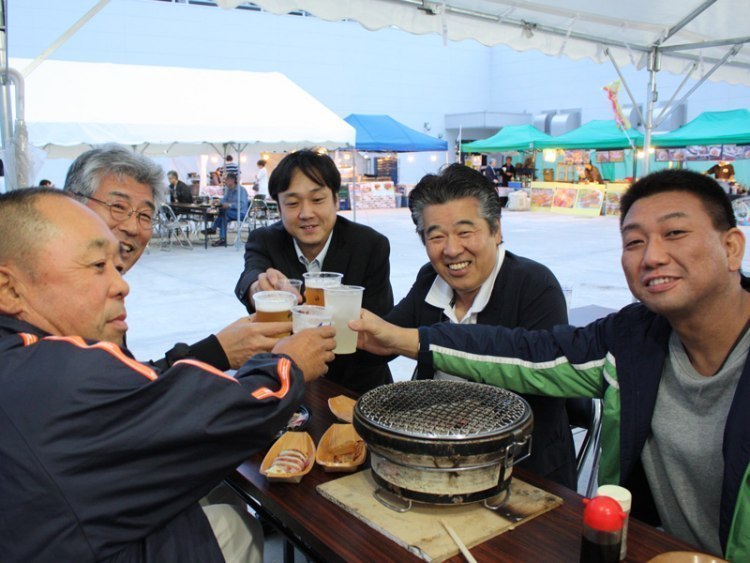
{"x":310,"y":316}
{"x":345,"y":302}
{"x":274,"y":306}
{"x":316,"y":283}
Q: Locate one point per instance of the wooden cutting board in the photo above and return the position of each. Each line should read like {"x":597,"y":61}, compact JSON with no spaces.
{"x":419,"y":530}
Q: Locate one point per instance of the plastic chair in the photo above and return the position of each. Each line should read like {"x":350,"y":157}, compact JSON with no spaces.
{"x":587,"y":414}
{"x":171,"y":229}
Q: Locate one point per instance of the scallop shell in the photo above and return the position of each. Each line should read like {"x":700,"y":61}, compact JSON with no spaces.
{"x":341,"y":440}
{"x":301,"y":441}
{"x":342,"y":407}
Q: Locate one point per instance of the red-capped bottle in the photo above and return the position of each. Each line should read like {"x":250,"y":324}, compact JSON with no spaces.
{"x":603,"y":520}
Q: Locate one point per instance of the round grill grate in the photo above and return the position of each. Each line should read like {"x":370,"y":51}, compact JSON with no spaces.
{"x":442,"y":409}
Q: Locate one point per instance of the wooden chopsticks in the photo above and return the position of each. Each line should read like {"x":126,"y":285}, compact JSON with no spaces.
{"x":464,"y":550}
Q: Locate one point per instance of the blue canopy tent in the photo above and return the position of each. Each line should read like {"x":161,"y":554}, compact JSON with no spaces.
{"x":382,"y":133}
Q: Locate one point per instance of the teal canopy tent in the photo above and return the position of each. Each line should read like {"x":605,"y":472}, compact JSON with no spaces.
{"x":710,"y":128}
{"x":596,"y":134}
{"x":509,"y":138}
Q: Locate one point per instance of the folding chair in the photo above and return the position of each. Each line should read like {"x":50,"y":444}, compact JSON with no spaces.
{"x":171,"y":229}
{"x":587,"y":414}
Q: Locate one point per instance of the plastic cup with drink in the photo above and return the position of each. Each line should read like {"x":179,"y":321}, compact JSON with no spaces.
{"x":345,"y":302}
{"x":274,"y":306}
{"x":316,"y":284}
{"x":310,"y":316}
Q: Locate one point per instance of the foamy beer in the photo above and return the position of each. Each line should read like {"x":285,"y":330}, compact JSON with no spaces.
{"x":274,"y":306}
{"x":316,"y":283}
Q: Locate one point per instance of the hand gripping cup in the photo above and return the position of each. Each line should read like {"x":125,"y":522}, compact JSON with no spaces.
{"x":316,"y":283}
{"x":345,"y":302}
{"x":310,"y":316}
{"x":274,"y":306}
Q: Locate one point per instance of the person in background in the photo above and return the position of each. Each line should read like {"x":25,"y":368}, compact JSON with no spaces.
{"x":472,"y":279}
{"x":507,"y":173}
{"x":229,"y":210}
{"x":491,"y":174}
{"x":591,"y":174}
{"x":105,"y":458}
{"x":230,"y":167}
{"x":672,"y":369}
{"x":46,"y":184}
{"x":311,"y":237}
{"x":723,"y":170}
{"x":179,"y":192}
{"x":124,"y":188}
{"x":261,"y":178}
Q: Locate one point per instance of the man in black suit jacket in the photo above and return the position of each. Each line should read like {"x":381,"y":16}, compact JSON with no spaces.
{"x":471,"y":278}
{"x":179,"y":192}
{"x":312,"y":237}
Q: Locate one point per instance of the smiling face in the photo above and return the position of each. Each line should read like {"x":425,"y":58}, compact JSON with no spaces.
{"x":675,"y":260}
{"x":74,"y":287}
{"x":460,"y":245}
{"x":308,"y":212}
{"x":133,"y":238}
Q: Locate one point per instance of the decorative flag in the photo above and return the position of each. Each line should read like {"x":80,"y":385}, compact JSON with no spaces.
{"x":613,"y":91}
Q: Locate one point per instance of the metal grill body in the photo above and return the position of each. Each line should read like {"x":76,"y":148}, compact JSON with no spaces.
{"x":445,"y":442}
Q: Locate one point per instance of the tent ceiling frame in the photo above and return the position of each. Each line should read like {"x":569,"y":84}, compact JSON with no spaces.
{"x":438,"y":8}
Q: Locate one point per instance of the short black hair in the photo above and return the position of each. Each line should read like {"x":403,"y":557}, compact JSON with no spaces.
{"x":455,"y":181}
{"x":705,"y":188}
{"x":231,"y":176}
{"x":320,"y":168}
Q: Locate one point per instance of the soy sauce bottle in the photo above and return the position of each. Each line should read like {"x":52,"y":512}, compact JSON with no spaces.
{"x":603,"y":520}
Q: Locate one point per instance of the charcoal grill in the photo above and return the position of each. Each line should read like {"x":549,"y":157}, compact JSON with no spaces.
{"x":443,"y":442}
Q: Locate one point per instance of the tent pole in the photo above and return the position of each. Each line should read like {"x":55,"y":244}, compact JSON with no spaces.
{"x":353,"y":194}
{"x":57,"y":43}
{"x":654,"y":64}
{"x":238,"y":240}
{"x":625,"y":85}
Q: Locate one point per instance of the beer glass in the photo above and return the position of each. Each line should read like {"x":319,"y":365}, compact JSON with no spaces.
{"x":345,"y":302}
{"x":316,"y":283}
{"x":274,"y":306}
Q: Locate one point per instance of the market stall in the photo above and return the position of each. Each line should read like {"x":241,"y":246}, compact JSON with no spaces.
{"x":380,"y":134}
{"x":714,"y":136}
{"x":567,"y":155}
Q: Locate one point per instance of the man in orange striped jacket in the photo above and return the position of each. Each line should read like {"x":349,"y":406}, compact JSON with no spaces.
{"x":105,"y":458}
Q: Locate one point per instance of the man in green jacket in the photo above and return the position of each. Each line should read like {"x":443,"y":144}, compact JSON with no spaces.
{"x":672,"y":369}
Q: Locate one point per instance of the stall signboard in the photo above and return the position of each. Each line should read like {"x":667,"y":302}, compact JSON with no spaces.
{"x":566,"y":198}
{"x":542,"y":194}
{"x":375,"y":195}
{"x":610,"y":156}
{"x":703,"y":152}
{"x":612,"y":194}
{"x":581,"y":199}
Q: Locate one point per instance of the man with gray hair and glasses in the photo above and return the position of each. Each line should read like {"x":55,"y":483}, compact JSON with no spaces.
{"x":125,"y":189}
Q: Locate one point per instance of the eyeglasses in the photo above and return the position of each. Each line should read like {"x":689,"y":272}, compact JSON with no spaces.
{"x":121,"y":211}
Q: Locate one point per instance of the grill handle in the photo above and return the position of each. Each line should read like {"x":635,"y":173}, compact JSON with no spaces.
{"x":518,"y":451}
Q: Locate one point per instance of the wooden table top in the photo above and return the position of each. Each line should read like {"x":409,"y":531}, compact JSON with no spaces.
{"x":328,"y":533}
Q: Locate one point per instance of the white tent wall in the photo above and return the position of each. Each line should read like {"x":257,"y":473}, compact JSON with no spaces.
{"x":415,"y":79}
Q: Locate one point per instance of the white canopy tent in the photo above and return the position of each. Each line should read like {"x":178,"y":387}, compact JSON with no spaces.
{"x":701,"y":39}
{"x":169,"y":111}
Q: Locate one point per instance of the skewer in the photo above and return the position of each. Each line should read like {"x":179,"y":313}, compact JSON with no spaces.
{"x":464,"y":550}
